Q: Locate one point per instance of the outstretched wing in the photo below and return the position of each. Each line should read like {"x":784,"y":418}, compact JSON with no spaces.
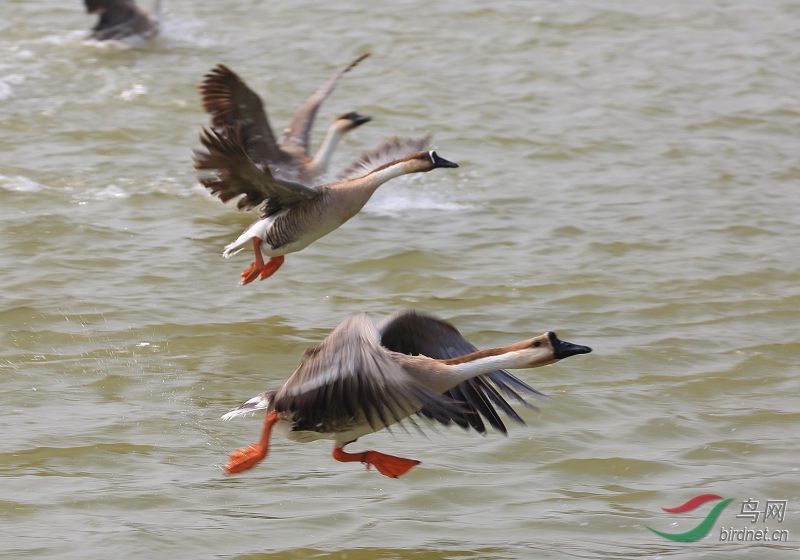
{"x":414,"y":333}
{"x":350,"y":377}
{"x":391,"y":150}
{"x":229,"y":101}
{"x":298,"y":134}
{"x":235,"y":174}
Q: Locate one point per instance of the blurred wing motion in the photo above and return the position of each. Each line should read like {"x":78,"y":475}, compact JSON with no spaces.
{"x":120,"y":19}
{"x":350,"y":377}
{"x":410,"y":332}
{"x":297,"y":135}
{"x":235,"y":174}
{"x":391,"y":150}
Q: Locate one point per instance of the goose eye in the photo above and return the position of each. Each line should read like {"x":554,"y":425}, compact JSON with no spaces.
{"x":537,"y":343}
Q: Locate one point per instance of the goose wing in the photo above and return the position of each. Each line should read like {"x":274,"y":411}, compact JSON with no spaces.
{"x":235,"y":174}
{"x":298,"y":134}
{"x":114,"y":15}
{"x":350,"y":379}
{"x":229,"y":101}
{"x":391,"y":150}
{"x":414,"y":333}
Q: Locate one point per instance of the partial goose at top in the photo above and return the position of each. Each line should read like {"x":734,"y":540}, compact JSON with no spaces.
{"x":229,"y":101}
{"x":292,"y":215}
{"x":120,"y":19}
{"x":363,"y":378}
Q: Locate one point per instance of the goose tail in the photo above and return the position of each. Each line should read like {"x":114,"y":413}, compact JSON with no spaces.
{"x":259,"y":404}
{"x":257,"y":229}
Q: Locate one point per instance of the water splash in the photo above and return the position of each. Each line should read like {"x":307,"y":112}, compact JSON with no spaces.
{"x":19,"y":183}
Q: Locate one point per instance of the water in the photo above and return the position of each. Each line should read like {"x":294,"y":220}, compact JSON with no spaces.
{"x":628,"y":179}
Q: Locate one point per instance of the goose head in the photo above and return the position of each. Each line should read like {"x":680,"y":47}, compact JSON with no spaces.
{"x":546,"y":349}
{"x":349,"y":121}
{"x":542,"y":350}
{"x":421,"y":162}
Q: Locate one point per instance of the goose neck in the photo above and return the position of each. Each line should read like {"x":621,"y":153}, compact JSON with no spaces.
{"x":478,"y":363}
{"x":323,"y":156}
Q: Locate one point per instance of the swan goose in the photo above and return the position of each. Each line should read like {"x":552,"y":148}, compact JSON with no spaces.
{"x":120,"y":19}
{"x":363,"y":378}
{"x":293,"y":215}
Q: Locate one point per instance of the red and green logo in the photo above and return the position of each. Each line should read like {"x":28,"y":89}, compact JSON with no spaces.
{"x":705,"y":525}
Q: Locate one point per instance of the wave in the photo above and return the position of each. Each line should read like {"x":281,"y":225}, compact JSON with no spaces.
{"x":18,"y":183}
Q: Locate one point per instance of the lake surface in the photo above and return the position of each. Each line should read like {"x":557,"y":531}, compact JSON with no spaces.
{"x":628,"y":178}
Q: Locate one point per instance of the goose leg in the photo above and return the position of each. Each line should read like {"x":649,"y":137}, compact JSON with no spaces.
{"x":388,"y":465}
{"x":247,"y":457}
{"x":272,"y":265}
{"x":256,"y":266}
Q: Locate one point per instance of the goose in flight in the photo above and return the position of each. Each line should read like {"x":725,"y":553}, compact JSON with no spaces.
{"x":365,"y":377}
{"x":292,"y":215}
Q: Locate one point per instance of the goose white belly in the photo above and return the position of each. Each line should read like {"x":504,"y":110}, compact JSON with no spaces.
{"x":261,"y":228}
{"x":345,"y":434}
{"x":303,"y":436}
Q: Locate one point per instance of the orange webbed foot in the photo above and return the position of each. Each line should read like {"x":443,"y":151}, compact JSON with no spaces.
{"x":389,"y":465}
{"x":255,"y":268}
{"x":248,"y":457}
{"x":271,"y":267}
{"x":252,"y":272}
{"x":245,"y":458}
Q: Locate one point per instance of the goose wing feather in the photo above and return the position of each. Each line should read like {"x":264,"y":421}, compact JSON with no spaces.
{"x":349,"y":378}
{"x":229,"y":101}
{"x":297,"y":135}
{"x":119,"y":19}
{"x":414,"y":333}
{"x":113,"y":13}
{"x":235,"y":174}
{"x":391,"y":150}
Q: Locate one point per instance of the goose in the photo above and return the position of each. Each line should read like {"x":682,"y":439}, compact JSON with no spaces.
{"x":292,"y":215}
{"x":120,"y":19}
{"x":365,"y":377}
{"x":228,"y":99}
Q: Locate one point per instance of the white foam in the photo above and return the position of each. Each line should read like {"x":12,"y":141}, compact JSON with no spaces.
{"x":111,"y":191}
{"x":6,"y":91}
{"x":135,"y":89}
{"x":58,"y":39}
{"x":191,"y":31}
{"x":13,"y":79}
{"x":6,"y":82}
{"x":20,"y":184}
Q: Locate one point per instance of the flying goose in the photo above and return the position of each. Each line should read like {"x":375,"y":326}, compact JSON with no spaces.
{"x":229,"y":101}
{"x":363,"y":378}
{"x":120,"y":19}
{"x":292,"y":215}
